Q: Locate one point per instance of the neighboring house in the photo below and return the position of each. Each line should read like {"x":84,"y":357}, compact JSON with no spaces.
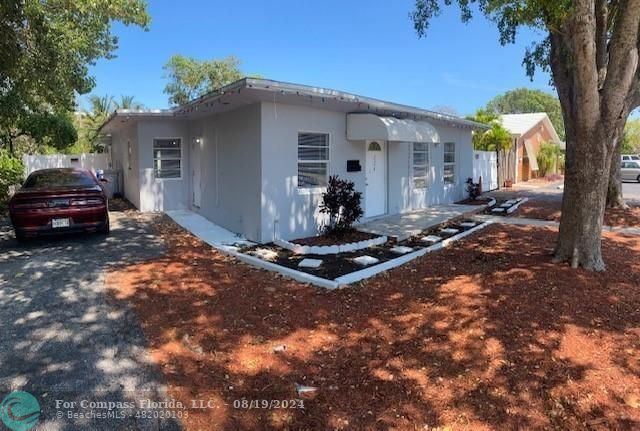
{"x":255,"y":156}
{"x":529,"y":131}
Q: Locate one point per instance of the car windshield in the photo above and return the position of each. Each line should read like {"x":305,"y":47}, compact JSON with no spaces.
{"x":54,"y":179}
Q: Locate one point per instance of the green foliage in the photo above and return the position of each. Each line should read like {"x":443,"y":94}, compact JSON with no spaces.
{"x":11,"y":173}
{"x":50,"y":129}
{"x":473,"y":189}
{"x":190,"y":78}
{"x":47,"y":47}
{"x":88,"y":122}
{"x":631,"y":141}
{"x":341,"y":202}
{"x":495,"y":139}
{"x":524,"y":101}
{"x":547,"y":157}
{"x":128,"y":102}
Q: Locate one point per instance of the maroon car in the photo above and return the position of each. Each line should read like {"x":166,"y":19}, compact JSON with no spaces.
{"x":58,"y":201}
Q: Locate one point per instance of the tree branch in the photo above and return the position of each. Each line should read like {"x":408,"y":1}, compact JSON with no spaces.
{"x":623,"y":61}
{"x":602,"y":30}
{"x":585,"y":71}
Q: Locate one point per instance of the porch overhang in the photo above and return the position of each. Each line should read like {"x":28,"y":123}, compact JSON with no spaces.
{"x":362,"y":127}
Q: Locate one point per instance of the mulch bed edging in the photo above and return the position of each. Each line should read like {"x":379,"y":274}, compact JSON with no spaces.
{"x":330,"y":249}
{"x":286,"y":266}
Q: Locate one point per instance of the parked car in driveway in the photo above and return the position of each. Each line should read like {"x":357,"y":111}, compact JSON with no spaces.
{"x":630,"y":171}
{"x":630,"y":157}
{"x":61,"y":200}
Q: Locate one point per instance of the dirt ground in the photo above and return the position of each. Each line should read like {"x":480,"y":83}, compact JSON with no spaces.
{"x":550,"y":209}
{"x":486,"y":335}
{"x":328,"y":239}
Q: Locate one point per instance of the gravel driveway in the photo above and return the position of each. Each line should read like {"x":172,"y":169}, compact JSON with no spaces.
{"x":63,"y":337}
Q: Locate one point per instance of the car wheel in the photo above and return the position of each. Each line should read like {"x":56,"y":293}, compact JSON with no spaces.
{"x":105,"y":230}
{"x":638,"y":178}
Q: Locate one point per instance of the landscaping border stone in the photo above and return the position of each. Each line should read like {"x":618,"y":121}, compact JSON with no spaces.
{"x":330,"y":249}
{"x":517,"y":204}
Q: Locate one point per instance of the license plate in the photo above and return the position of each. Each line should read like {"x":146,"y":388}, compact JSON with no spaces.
{"x":59,"y":222}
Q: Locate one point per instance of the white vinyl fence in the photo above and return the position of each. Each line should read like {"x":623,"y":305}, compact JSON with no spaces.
{"x":485,"y":165}
{"x":91,"y":161}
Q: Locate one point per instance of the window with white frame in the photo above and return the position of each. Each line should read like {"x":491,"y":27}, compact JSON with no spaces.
{"x":167,"y":158}
{"x":449,"y":162}
{"x":420,"y":165}
{"x":313,"y":160}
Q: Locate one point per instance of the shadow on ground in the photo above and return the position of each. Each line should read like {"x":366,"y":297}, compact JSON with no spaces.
{"x":62,"y":337}
{"x":486,"y":335}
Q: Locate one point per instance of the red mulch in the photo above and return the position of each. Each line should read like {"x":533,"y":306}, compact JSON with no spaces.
{"x":485,"y":335}
{"x":550,"y":210}
{"x":345,"y":238}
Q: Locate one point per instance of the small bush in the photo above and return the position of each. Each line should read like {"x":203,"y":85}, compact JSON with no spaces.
{"x":547,"y":158}
{"x":11,"y":173}
{"x":341,"y":202}
{"x":473,"y":189}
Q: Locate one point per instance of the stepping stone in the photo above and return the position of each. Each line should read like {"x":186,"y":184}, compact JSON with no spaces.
{"x":505,"y":205}
{"x":468,"y":224}
{"x":265,"y":254}
{"x":511,"y":201}
{"x":450,"y":230}
{"x":431,"y":238}
{"x":310,"y":263}
{"x":366,"y":260}
{"x":400,"y":249}
{"x":498,"y":210}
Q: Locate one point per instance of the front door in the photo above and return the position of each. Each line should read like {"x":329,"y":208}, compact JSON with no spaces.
{"x":376,"y":179}
{"x":196,"y":153}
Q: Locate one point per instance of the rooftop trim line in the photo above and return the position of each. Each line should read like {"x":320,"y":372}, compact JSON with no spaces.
{"x":387,"y":108}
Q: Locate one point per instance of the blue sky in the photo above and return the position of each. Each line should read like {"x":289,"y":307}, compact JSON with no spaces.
{"x":366,"y":47}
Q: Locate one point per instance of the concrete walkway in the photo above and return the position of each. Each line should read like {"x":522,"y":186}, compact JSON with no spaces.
{"x":214,"y":235}
{"x":403,"y":226}
{"x":549,"y":223}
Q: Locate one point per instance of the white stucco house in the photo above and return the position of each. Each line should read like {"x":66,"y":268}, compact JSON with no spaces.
{"x":255,"y":156}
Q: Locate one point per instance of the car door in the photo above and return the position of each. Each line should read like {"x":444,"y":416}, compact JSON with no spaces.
{"x":630,"y":171}
{"x":625,"y":171}
{"x":635,"y":171}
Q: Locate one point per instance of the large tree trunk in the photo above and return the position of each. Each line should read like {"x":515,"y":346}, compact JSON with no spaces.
{"x":583,"y":202}
{"x":595,"y":105}
{"x":614,"y":191}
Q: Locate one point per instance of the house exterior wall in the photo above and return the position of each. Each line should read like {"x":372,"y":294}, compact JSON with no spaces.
{"x":230,"y":166}
{"x":161,"y":194}
{"x":128,"y":166}
{"x":404,"y":197}
{"x":289,"y":212}
{"x":537,"y":136}
{"x":249,"y":165}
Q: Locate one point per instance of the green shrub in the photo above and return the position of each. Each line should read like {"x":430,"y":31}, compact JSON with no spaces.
{"x":11,"y":173}
{"x":341,"y":202}
{"x":547,"y":158}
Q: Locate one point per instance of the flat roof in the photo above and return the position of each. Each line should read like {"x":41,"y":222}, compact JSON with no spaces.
{"x":249,"y":90}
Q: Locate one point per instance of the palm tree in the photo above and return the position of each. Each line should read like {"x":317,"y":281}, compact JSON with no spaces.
{"x":128,"y":102}
{"x":101,"y":107}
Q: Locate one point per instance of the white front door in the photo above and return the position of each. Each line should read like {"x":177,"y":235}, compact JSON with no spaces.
{"x":196,"y":153}
{"x":376,"y":179}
